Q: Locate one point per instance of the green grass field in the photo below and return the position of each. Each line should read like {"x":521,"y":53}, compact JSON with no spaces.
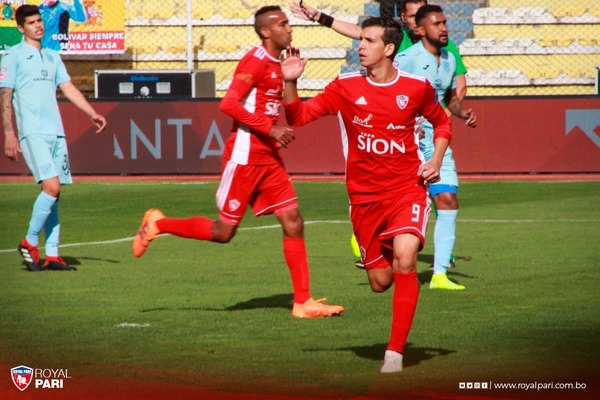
{"x":218,"y":316}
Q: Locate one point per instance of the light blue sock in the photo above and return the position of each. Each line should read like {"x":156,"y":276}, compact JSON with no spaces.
{"x":52,"y":231}
{"x":443,"y":239}
{"x":41,"y":209}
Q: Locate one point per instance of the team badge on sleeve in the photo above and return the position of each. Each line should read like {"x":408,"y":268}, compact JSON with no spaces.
{"x":402,"y":101}
{"x":21,"y":376}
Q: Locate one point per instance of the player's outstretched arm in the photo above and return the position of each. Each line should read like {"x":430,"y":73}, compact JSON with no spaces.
{"x":305,"y":12}
{"x":75,"y":96}
{"x":77,"y":12}
{"x":455,"y":105}
{"x":461,"y":86}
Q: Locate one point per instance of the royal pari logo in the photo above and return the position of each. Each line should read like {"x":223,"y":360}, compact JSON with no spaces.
{"x":22,"y":377}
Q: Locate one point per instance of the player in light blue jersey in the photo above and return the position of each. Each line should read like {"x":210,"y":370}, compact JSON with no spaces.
{"x":56,"y":15}
{"x":429,"y":58}
{"x":29,"y":75}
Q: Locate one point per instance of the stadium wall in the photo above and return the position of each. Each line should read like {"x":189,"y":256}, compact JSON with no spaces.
{"x":515,"y":135}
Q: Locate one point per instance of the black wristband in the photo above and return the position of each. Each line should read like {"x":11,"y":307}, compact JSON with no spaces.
{"x":325,"y":20}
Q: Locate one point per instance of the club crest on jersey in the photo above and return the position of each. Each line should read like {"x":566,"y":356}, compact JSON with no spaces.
{"x":402,"y":101}
{"x":21,"y":376}
{"x":234,"y":204}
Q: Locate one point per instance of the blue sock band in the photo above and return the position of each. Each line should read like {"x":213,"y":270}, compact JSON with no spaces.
{"x":41,"y":209}
{"x":444,"y":236}
{"x":52,"y":231}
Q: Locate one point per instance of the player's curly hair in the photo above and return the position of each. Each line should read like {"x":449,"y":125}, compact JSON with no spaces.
{"x":392,"y":31}
{"x":24,"y":11}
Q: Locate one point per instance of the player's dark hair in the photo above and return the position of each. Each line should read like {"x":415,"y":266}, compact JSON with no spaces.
{"x":266,"y":9}
{"x":424,"y":11}
{"x":24,"y":11}
{"x":262,"y":11}
{"x":392,"y":30}
{"x":405,"y":2}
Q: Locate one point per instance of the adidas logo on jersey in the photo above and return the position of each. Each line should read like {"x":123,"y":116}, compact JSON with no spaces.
{"x":273,"y":75}
{"x":361,"y":101}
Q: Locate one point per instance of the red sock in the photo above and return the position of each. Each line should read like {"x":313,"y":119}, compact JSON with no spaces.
{"x":294,"y":251}
{"x":194,"y":227}
{"x":406,"y":294}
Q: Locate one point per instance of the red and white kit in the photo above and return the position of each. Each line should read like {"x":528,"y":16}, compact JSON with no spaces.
{"x":253,"y":171}
{"x":382,"y":151}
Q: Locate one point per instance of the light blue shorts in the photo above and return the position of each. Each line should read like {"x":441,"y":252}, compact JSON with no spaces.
{"x":47,"y":157}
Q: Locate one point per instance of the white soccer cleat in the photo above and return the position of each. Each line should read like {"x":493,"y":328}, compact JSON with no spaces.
{"x":392,"y":362}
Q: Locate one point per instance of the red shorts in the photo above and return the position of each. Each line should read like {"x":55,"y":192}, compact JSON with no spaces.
{"x":267,"y":188}
{"x":376,"y":224}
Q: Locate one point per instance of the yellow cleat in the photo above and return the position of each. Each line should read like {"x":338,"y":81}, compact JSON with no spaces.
{"x":441,"y":281}
{"x":147,"y":232}
{"x":355,"y":247}
{"x":315,"y":309}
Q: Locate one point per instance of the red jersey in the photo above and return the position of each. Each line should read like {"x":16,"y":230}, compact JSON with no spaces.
{"x":377,"y":122}
{"x":253,"y":101}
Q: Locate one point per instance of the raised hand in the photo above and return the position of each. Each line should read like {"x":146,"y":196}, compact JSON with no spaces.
{"x":303,"y":11}
{"x":292,"y":65}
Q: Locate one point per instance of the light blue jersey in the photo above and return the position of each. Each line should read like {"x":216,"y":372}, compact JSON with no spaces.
{"x":56,"y":22}
{"x":418,"y":61}
{"x":34,"y":75}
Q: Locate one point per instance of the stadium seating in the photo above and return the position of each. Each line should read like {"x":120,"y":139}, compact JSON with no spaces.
{"x":534,"y":45}
{"x":508,"y":46}
{"x":224,"y":32}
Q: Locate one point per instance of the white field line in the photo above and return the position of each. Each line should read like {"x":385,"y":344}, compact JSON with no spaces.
{"x":132,"y":325}
{"x":333,"y":222}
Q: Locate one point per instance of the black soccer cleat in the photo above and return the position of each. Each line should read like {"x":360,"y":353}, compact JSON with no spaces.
{"x":57,"y":264}
{"x":31,"y":256}
{"x":359,"y":264}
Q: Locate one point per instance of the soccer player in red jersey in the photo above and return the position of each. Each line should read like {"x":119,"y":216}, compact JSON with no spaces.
{"x":253,"y":172}
{"x":386,"y":173}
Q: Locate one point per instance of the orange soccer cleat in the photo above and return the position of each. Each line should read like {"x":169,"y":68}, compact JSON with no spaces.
{"x":147,"y":232}
{"x":315,"y":309}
